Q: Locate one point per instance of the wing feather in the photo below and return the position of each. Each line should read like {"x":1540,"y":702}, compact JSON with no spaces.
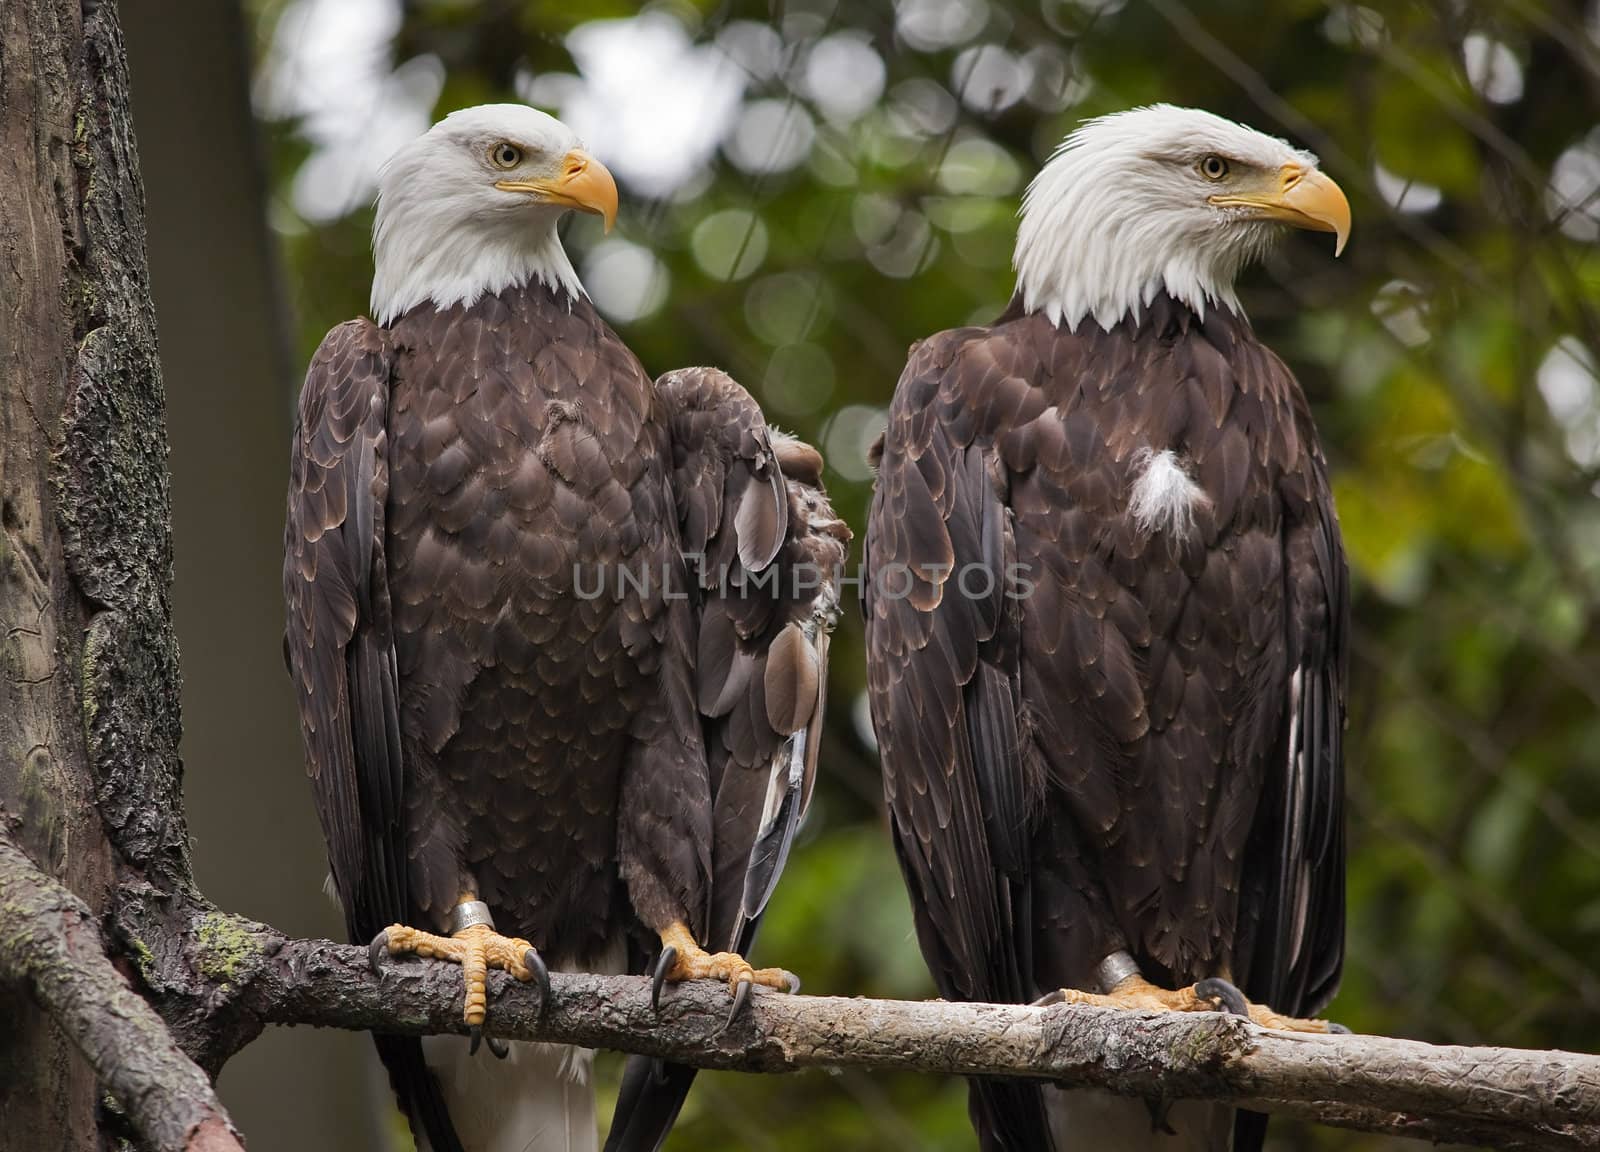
{"x":768,"y":549}
{"x":1294,"y":911}
{"x":1297,"y":845}
{"x":944,"y":681}
{"x":340,"y":648}
{"x":338,"y":637}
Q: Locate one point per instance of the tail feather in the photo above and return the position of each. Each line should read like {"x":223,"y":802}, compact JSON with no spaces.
{"x":540,"y":1098}
{"x":652,"y":1094}
{"x":1082,"y":1118}
{"x":1009,"y":1115}
{"x":1249,"y":1131}
{"x":418,"y":1092}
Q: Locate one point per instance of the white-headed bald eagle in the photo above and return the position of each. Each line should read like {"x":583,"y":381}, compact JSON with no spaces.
{"x":1106,"y":617}
{"x":554,"y":678}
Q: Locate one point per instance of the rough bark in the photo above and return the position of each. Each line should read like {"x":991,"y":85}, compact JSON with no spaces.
{"x":51,"y":944}
{"x":90,"y":783}
{"x":1507,"y":1098}
{"x":203,"y":167}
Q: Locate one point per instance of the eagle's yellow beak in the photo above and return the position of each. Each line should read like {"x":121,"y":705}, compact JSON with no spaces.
{"x":584,"y":184}
{"x":1303,"y":197}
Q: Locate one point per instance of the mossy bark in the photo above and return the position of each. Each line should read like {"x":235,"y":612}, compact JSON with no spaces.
{"x":90,"y":781}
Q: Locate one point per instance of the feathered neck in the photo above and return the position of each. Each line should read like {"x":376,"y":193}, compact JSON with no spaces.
{"x":425,"y":249}
{"x":1102,"y":236}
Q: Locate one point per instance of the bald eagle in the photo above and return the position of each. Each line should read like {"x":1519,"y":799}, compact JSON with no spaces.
{"x":559,"y":693}
{"x":1106,"y":615}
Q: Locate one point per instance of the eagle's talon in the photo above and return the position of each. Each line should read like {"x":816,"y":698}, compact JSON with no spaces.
{"x":499,"y":1047}
{"x":792,"y":983}
{"x":1339,"y":1029}
{"x":476,"y":1032}
{"x":682,"y":958}
{"x":534,"y":963}
{"x":1224,"y":994}
{"x":1134,"y":993}
{"x":1049,"y":999}
{"x":376,"y":951}
{"x":664,"y":964}
{"x":741,"y":1001}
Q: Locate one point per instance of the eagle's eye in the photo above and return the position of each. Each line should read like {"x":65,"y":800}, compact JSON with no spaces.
{"x":1213,"y":167}
{"x":505,"y":155}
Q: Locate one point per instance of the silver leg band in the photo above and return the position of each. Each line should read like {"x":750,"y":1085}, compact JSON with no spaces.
{"x":469,"y":913}
{"x":1114,"y":969}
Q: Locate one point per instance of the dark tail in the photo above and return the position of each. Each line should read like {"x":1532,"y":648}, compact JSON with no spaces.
{"x":652,"y":1093}
{"x":418,"y":1091}
{"x":1249,"y":1131}
{"x":1009,"y":1115}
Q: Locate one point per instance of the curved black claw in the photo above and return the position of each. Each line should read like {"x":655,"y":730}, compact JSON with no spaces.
{"x":376,"y":951}
{"x":1048,"y":999}
{"x":541,"y":977}
{"x":476,"y":1032}
{"x":1339,"y":1029}
{"x":741,"y":1001}
{"x":1218,"y":989}
{"x":793,"y":983}
{"x":669,"y":957}
{"x":499,"y":1047}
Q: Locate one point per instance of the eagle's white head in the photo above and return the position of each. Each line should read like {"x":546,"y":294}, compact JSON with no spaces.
{"x":1162,"y":199}
{"x":470,"y":207}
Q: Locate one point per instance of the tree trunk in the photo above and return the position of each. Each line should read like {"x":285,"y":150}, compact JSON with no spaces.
{"x":90,"y":780}
{"x":230,"y":383}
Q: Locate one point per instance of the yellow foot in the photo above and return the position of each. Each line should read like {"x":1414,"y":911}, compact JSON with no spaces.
{"x":683,"y":959}
{"x":477,"y":948}
{"x":1267,"y":1018}
{"x":1137,"y":994}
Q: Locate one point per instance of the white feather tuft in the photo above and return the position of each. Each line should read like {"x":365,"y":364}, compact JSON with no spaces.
{"x":1164,"y":498}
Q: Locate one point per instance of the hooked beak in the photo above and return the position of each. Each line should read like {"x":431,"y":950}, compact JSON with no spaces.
{"x":584,"y":184}
{"x":1302,"y":197}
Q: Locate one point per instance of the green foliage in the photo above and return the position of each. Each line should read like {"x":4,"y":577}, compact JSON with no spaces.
{"x":1467,"y":492}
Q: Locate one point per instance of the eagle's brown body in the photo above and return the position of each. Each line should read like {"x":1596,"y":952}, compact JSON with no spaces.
{"x":1133,"y":743}
{"x":494,"y":632}
{"x":530,"y":460}
{"x":526,"y":458}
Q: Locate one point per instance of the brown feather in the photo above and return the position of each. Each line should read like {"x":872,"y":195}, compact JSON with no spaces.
{"x":791,"y":686}
{"x":1110,"y":749}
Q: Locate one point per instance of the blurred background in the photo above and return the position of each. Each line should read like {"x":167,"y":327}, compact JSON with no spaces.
{"x":810,"y":186}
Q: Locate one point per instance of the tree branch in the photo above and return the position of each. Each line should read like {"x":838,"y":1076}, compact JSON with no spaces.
{"x":1507,"y":1098}
{"x":50,"y":944}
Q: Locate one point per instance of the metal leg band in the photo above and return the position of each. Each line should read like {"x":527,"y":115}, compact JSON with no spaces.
{"x":1114,"y":969}
{"x":468,"y":914}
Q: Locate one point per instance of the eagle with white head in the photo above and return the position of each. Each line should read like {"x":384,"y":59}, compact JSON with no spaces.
{"x":1113,"y":765}
{"x":547,"y":722}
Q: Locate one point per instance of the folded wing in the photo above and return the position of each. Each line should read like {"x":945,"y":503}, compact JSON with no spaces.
{"x":339,"y":644}
{"x":764,"y":553}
